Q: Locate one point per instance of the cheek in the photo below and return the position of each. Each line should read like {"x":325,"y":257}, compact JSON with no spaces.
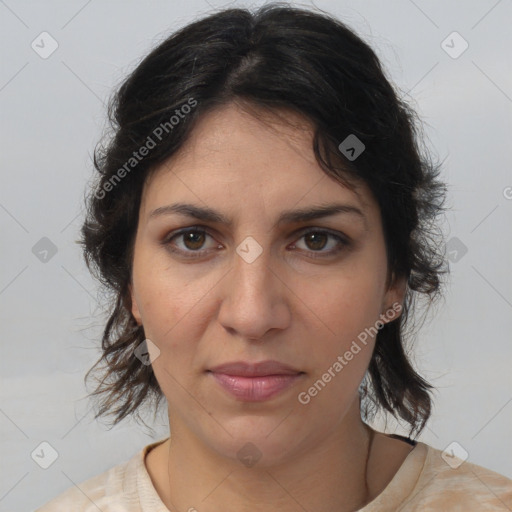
{"x":173,"y":314}
{"x":346,"y":306}
{"x":347,"y":310}
{"x":171,"y":305}
{"x":345,"y":302}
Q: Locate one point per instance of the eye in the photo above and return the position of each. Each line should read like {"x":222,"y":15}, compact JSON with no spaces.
{"x":192,"y":239}
{"x":317,"y":239}
{"x":190,"y":242}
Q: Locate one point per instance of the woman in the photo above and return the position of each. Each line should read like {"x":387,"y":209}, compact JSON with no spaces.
{"x":264,"y":217}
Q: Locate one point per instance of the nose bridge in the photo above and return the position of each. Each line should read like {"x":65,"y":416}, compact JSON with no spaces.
{"x":252,"y":269}
{"x":253,"y":300}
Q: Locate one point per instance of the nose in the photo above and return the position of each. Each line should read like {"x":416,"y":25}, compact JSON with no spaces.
{"x":255,"y":297}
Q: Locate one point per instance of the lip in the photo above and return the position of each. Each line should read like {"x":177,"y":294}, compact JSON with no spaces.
{"x":259,"y":369}
{"x":255,"y":382}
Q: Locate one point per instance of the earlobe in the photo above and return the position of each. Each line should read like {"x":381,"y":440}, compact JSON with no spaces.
{"x":394,"y":298}
{"x":134,"y":306}
{"x":400,"y":288}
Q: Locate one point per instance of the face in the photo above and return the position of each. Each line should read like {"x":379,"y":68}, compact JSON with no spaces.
{"x":253,"y":283}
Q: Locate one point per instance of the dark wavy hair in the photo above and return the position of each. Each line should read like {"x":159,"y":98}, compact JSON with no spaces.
{"x":278,"y":57}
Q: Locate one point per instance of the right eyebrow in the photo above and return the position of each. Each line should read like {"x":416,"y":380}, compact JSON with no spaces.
{"x":189,"y":210}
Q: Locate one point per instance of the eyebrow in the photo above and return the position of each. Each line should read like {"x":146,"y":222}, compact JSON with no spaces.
{"x":207,"y":214}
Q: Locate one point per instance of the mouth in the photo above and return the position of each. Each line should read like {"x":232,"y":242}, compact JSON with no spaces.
{"x":255,"y":382}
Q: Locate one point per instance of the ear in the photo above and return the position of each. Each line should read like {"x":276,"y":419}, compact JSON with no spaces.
{"x":134,"y":306}
{"x":392,"y":304}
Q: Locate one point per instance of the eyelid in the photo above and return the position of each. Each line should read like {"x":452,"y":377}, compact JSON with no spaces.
{"x":314,"y":229}
{"x":342,"y":239}
{"x":183,"y":231}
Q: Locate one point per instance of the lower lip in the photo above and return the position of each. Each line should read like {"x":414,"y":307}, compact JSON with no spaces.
{"x":255,"y":389}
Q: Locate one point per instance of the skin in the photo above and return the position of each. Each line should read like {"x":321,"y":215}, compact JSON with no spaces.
{"x":286,"y":305}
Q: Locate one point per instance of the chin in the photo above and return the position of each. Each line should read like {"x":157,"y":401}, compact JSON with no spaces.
{"x":257,"y":441}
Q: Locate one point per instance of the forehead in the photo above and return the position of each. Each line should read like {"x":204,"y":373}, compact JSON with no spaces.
{"x":237,"y":153}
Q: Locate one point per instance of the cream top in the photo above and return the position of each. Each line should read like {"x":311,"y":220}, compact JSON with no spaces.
{"x":424,"y":482}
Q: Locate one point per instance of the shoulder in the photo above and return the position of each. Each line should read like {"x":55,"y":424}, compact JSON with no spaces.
{"x":115,"y":489}
{"x":448,"y":483}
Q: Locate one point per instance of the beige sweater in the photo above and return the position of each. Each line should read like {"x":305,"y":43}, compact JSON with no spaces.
{"x":424,"y":482}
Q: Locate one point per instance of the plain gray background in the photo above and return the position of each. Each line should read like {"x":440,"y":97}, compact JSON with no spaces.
{"x":53,"y":114}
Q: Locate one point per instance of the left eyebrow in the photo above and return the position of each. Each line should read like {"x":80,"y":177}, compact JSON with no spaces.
{"x":312,"y":213}
{"x":206,"y":214}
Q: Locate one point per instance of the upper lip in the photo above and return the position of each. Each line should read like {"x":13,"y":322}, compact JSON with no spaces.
{"x":263,"y":368}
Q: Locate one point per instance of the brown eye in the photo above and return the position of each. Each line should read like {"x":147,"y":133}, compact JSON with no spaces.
{"x":316,"y":240}
{"x":193,"y":240}
{"x":189,"y":242}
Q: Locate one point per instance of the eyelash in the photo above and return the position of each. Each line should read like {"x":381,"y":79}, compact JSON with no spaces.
{"x":166,"y":242}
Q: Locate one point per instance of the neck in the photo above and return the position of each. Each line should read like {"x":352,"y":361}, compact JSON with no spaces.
{"x":332,"y":473}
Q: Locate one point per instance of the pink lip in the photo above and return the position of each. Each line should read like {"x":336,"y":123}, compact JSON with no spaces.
{"x":255,"y":382}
